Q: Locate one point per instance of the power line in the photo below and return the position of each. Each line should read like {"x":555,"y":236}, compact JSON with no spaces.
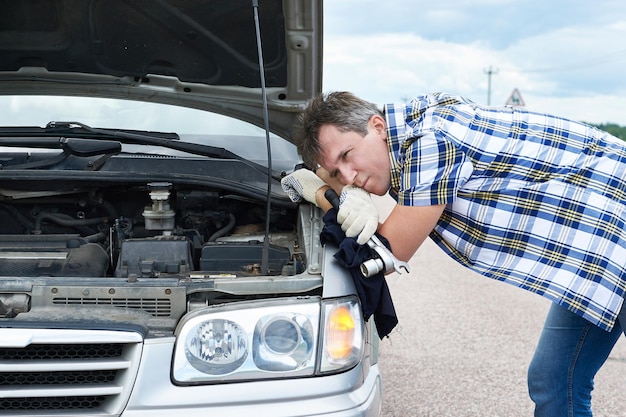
{"x":599,"y":60}
{"x":489,"y":73}
{"x":591,"y":62}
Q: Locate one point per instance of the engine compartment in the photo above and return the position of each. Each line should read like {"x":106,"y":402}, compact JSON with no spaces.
{"x":142,"y":231}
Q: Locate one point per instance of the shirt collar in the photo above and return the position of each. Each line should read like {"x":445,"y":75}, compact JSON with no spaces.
{"x":395,"y":116}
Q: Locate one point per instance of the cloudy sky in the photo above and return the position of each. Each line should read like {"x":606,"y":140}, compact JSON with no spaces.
{"x":566,"y":57}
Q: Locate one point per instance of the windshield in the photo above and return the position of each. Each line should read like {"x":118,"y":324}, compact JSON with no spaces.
{"x":196,"y":126}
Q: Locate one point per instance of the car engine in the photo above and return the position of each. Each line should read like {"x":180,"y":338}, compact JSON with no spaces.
{"x":142,"y":231}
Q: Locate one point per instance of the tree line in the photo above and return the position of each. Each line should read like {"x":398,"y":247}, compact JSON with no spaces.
{"x":613,"y":129}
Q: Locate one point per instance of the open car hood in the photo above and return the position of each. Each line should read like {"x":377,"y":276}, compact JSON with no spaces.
{"x":195,"y":53}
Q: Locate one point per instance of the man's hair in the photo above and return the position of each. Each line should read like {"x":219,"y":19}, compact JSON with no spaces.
{"x":341,"y":109}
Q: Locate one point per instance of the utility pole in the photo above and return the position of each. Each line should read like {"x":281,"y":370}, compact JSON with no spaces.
{"x":489,"y":72}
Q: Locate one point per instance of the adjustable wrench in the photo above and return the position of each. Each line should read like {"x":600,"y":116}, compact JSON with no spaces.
{"x":383,"y":259}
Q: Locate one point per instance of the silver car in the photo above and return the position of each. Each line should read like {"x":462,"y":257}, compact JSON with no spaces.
{"x":150,"y":262}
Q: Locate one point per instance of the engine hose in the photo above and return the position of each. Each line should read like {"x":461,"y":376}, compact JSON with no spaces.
{"x":96,"y":238}
{"x":65,"y":220}
{"x":224,"y":230}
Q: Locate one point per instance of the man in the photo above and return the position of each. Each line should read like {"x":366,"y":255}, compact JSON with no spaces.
{"x":530,"y":199}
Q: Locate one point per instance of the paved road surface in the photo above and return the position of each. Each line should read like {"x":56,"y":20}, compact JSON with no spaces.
{"x":463,"y":345}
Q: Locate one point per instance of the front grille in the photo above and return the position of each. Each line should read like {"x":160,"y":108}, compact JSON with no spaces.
{"x":158,"y":307}
{"x":88,"y":371}
{"x":62,"y":351}
{"x":66,"y":403}
{"x":57,"y":378}
{"x":158,"y":301}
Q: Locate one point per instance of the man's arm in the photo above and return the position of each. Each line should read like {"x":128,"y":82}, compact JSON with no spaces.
{"x":320,"y":199}
{"x":407,"y":227}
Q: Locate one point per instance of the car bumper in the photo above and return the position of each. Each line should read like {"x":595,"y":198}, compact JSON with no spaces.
{"x":353,"y":393}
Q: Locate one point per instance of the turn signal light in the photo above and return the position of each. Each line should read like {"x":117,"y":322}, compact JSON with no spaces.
{"x":340,"y":332}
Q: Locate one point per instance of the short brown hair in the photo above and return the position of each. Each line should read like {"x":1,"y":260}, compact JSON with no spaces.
{"x":341,"y":109}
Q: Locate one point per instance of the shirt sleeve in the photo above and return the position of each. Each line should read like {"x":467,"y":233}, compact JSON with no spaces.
{"x":433,"y":169}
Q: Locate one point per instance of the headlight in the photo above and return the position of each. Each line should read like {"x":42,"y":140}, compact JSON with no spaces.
{"x":267,"y":339}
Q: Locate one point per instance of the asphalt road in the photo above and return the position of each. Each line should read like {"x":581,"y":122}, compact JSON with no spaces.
{"x":463,"y":345}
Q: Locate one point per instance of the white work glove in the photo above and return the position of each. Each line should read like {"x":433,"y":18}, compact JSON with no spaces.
{"x":302,"y":183}
{"x":357,"y":214}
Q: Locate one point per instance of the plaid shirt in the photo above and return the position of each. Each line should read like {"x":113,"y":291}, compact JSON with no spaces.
{"x":533,"y":200}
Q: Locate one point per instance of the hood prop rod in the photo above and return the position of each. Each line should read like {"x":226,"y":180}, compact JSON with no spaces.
{"x":268,"y":205}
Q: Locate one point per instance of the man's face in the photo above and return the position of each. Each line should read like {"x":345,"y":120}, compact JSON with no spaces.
{"x":357,"y":160}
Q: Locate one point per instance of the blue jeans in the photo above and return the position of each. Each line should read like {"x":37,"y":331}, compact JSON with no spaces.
{"x":569,"y":353}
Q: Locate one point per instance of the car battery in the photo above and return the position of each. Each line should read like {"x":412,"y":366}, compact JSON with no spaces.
{"x":242,"y":258}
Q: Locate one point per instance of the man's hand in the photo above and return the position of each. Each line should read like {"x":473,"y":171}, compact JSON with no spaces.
{"x":357,"y":214}
{"x":302,"y":183}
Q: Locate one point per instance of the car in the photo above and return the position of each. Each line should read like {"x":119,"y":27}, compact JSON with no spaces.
{"x":150,"y":262}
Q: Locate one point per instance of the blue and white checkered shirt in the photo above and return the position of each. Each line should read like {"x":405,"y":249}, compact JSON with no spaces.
{"x":531,"y":199}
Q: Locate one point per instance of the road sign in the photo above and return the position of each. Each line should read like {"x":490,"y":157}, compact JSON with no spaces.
{"x":515,"y":99}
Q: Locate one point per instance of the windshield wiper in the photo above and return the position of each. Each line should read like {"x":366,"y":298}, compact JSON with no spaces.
{"x":166,"y":140}
{"x":77,"y":129}
{"x":70,"y":146}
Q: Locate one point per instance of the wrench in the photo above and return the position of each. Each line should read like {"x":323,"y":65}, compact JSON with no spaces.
{"x":383,"y":259}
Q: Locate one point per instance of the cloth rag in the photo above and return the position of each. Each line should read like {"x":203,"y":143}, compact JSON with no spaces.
{"x":373,"y":291}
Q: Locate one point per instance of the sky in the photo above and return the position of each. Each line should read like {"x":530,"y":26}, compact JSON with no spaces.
{"x":565,"y":57}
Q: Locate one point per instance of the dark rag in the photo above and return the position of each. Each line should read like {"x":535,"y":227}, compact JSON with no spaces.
{"x":373,"y":291}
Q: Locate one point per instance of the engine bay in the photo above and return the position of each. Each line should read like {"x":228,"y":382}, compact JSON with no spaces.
{"x":142,"y":231}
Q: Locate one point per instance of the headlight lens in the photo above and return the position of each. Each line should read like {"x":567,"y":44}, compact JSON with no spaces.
{"x":216,"y":347}
{"x":267,"y":339}
{"x":284,"y":343}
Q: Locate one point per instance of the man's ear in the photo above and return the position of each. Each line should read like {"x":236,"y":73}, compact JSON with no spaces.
{"x":377,"y":122}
